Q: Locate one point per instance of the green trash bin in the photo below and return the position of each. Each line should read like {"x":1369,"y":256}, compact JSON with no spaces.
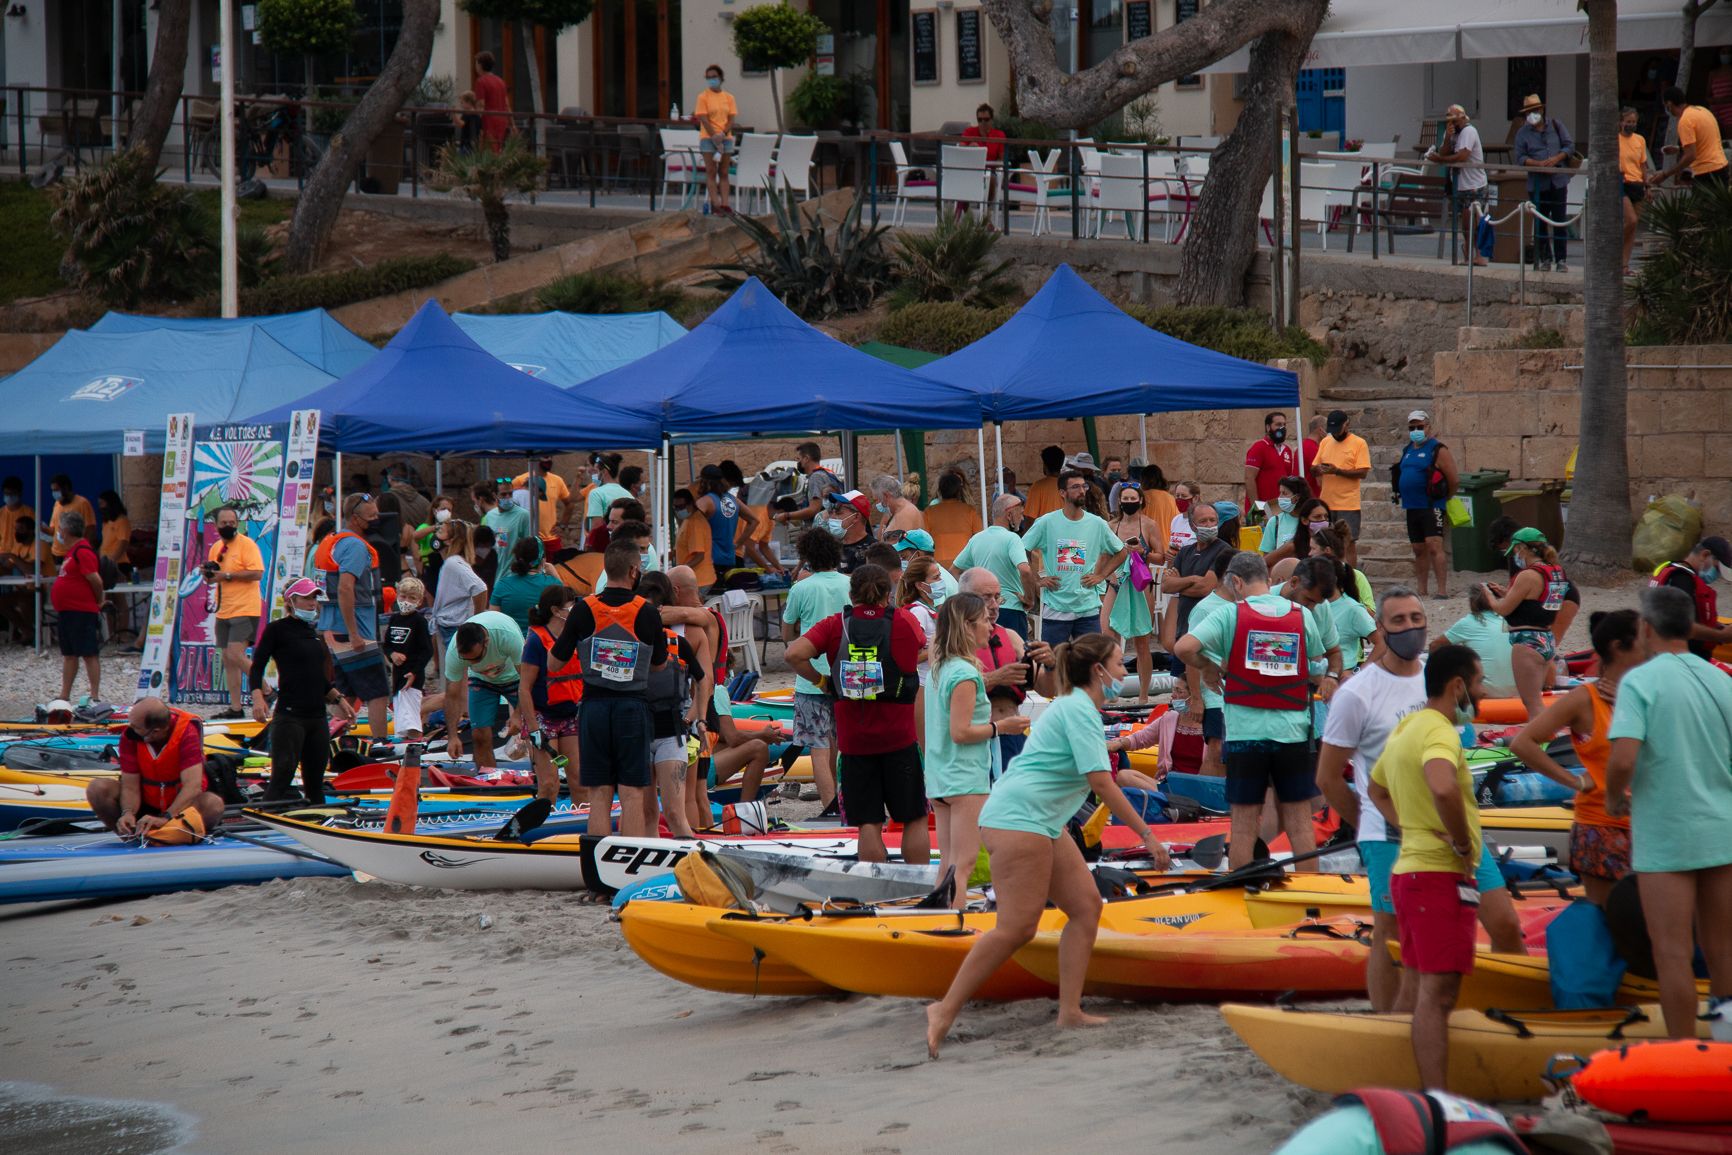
{"x":1468,"y":542}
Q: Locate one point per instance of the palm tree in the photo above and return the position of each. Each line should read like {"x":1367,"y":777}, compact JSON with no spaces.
{"x":1598,"y":544}
{"x":488,"y":177}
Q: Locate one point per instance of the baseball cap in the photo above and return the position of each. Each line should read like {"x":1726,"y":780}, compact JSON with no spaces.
{"x":852,"y":497}
{"x":1226,"y":510}
{"x":301,"y":588}
{"x":921,"y":540}
{"x":1530,"y":536}
{"x":1419,"y":415}
{"x":1719,"y":547}
{"x":1337,"y":419}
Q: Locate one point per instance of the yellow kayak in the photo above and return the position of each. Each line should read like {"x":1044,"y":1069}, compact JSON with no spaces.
{"x":1494,"y":1056}
{"x":673,"y":937}
{"x":1524,"y":980}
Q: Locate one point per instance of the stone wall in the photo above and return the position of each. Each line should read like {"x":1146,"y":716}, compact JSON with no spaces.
{"x":1519,"y":410}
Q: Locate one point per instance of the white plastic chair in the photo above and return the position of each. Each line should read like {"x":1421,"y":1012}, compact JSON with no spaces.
{"x":793,"y":167}
{"x":1384,"y":150}
{"x":1036,"y":185}
{"x":962,"y":176}
{"x":739,"y":615}
{"x":912,"y":184}
{"x":1168,"y":190}
{"x":752,"y":165}
{"x":1121,"y":190}
{"x":681,"y":164}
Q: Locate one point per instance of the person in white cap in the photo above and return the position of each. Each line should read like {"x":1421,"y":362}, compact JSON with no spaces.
{"x":1425,"y":477}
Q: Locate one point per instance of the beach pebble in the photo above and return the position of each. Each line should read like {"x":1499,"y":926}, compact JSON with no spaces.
{"x":486,"y":920}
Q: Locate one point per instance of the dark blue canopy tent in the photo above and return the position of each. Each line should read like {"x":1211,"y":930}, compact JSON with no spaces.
{"x":313,"y":335}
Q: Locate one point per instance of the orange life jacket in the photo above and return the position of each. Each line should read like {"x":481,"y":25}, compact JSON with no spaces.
{"x":613,"y":656}
{"x":564,"y":681}
{"x":367,"y":589}
{"x":159,"y":772}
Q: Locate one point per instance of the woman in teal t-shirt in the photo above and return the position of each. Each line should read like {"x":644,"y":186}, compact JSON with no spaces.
{"x":1022,"y":824}
{"x":959,"y":735}
{"x":519,"y":588}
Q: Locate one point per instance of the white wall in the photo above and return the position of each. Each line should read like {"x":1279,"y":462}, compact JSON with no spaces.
{"x":708,"y":39}
{"x":1385,"y":100}
{"x":27,"y":51}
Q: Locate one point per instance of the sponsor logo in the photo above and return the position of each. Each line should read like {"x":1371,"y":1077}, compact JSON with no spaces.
{"x":1174,"y":920}
{"x":444,"y":862}
{"x":638,"y":859}
{"x":105,"y":388}
{"x":532,"y":370}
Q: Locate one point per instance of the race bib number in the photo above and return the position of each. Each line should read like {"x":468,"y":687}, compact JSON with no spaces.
{"x":1555,"y":594}
{"x":1073,"y":556}
{"x":1272,"y":652}
{"x":614,"y":659}
{"x":860,"y":679}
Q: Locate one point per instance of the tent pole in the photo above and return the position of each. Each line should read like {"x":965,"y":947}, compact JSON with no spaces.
{"x":691,"y":465}
{"x":980,"y":456}
{"x":36,"y":552}
{"x":998,"y":448}
{"x":534,"y":475}
{"x":901,"y":472}
{"x":1299,"y":432}
{"x":337,"y":488}
{"x":1143,"y":434}
{"x":664,"y":461}
{"x":438,"y":476}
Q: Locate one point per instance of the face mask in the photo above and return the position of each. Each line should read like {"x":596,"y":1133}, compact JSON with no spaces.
{"x":1278,"y":436}
{"x":1464,"y":712}
{"x":507,"y":503}
{"x":1114,"y":475}
{"x":1286,"y":504}
{"x":227,"y":532}
{"x":1208,"y":533}
{"x":715,"y":83}
{"x":58,"y":495}
{"x":1184,"y":504}
{"x":1340,"y":435}
{"x":12,"y":500}
{"x":1316,"y":526}
{"x":483,"y":551}
{"x":308,"y":616}
{"x":879,"y":506}
{"x":1710,"y":573}
{"x":595,"y":478}
{"x":441,"y":516}
{"x":1130,"y":508}
{"x":1416,"y":435}
{"x":1406,"y":644}
{"x":1535,"y":119}
{"x":437,"y":544}
{"x":1520,"y":562}
{"x":644,"y":559}
{"x":682,"y":514}
{"x":404,"y":607}
{"x":330,"y":507}
{"x":834,"y":525}
{"x":1114,"y":688}
{"x":1627,"y":129}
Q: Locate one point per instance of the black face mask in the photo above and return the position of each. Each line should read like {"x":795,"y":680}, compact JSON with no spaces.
{"x":372,"y":525}
{"x":227,"y":532}
{"x":1278,"y":436}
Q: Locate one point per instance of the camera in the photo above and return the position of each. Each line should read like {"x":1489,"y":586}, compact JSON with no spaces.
{"x":211,"y":569}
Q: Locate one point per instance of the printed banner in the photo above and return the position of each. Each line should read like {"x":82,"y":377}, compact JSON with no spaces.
{"x":295,"y":511}
{"x":176,"y":466}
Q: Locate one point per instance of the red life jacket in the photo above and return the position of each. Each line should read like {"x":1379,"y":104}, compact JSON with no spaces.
{"x":1555,"y":586}
{"x":1267,"y":668}
{"x":159,"y":773}
{"x":1707,"y":601}
{"x":1409,"y":1123}
{"x":564,"y":681}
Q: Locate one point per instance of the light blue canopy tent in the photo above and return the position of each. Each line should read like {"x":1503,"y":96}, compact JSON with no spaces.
{"x":568,"y":348}
{"x":312,"y":335}
{"x":88,"y":389}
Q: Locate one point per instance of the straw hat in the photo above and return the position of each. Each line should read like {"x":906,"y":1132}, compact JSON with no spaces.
{"x":1533,"y":104}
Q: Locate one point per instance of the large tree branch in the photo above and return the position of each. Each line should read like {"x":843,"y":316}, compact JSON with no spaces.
{"x":155,"y":114}
{"x":1046,"y":92}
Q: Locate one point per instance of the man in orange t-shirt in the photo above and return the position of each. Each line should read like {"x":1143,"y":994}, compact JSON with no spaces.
{"x":1699,"y":148}
{"x":716,"y":113}
{"x":692,"y":545}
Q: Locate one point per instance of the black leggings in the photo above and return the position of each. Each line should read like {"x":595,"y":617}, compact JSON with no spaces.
{"x":303,"y":742}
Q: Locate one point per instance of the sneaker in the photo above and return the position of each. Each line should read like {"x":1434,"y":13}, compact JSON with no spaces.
{"x":809,"y":794}
{"x":228,"y":716}
{"x":1562,"y":267}
{"x":1719,"y":1018}
{"x":1542,"y":267}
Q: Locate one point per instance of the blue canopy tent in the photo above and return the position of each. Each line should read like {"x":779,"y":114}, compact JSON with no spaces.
{"x":312,"y":335}
{"x":567,"y":348}
{"x":1070,"y":352}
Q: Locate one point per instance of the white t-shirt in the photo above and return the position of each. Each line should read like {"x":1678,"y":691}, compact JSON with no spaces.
{"x":1472,"y":175}
{"x":1362,"y":715}
{"x":1180,"y":534}
{"x":454,"y":599}
{"x":928,"y":623}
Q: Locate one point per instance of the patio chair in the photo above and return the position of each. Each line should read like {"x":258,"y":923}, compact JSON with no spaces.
{"x":962,"y":177}
{"x":752,"y":166}
{"x":793,"y":167}
{"x":912,"y":184}
{"x":681,"y":164}
{"x":1122,"y":189}
{"x":1037,"y":185}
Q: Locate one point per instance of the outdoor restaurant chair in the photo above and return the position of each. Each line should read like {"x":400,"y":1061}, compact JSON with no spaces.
{"x":912,"y":184}
{"x":793,"y":167}
{"x":962,"y":176}
{"x":752,"y":166}
{"x":682,"y":165}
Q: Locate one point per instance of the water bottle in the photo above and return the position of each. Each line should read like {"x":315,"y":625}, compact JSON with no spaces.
{"x":674,"y":112}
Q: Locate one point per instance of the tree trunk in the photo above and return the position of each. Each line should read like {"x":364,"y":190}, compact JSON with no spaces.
{"x":1222,"y":237}
{"x":167,"y":72}
{"x":1693,"y":10}
{"x":498,"y":218}
{"x":1598,"y":542}
{"x":536,"y":104}
{"x":309,"y":93}
{"x":776,"y":97}
{"x":322,"y":198}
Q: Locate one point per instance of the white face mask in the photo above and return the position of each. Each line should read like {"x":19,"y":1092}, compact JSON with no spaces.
{"x":1536,"y":119}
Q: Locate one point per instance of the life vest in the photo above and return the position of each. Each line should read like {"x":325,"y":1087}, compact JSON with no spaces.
{"x":565,"y":681}
{"x":670,"y":686}
{"x":1000,"y":651}
{"x":159,"y":773}
{"x":1707,"y":601}
{"x":1555,"y":586}
{"x":1267,"y":668}
{"x":1409,"y":1123}
{"x":613,"y":656}
{"x":325,"y":561}
{"x":863,"y":668}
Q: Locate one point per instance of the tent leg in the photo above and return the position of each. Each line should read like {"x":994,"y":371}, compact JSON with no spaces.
{"x":1143,"y":435}
{"x":980,"y":456}
{"x":691,"y":465}
{"x":1299,"y":434}
{"x":337,"y":488}
{"x":998,"y":448}
{"x":664,"y":462}
{"x":901,"y":471}
{"x":438,"y":476}
{"x":36,"y":552}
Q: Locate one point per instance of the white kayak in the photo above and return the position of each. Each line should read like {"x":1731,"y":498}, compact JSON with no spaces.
{"x":784,"y":881}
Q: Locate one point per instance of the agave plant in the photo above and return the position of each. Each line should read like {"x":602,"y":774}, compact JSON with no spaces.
{"x":130,"y":238}
{"x":1683,"y":295}
{"x":815,"y":272}
{"x":953,"y":262}
{"x":488,"y":177}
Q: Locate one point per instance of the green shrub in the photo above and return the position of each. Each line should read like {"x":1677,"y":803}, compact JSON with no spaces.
{"x":1683,"y":295}
{"x":1537,"y":339}
{"x":129,"y":238}
{"x":329,"y":290}
{"x":770,"y":36}
{"x":607,"y":293}
{"x":941,"y":327}
{"x":1243,"y":333}
{"x":816,"y":272}
{"x":31,"y":266}
{"x":953,"y":262}
{"x":825,"y":101}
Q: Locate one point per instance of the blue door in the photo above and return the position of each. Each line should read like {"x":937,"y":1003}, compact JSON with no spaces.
{"x":1321,"y":97}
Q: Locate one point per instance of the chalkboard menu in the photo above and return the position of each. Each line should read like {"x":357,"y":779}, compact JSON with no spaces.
{"x":925,"y":40}
{"x":968,"y":69}
{"x":1184,"y":10}
{"x":1139,"y":19}
{"x":1527,"y":75}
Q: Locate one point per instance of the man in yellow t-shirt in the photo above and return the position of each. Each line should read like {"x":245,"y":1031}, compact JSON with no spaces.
{"x":716,"y":114}
{"x":1699,"y":148}
{"x":233,"y":569}
{"x":1422,"y":786}
{"x":1343,"y":462}
{"x":555,"y":506}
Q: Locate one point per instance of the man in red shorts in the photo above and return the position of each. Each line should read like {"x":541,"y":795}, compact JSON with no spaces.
{"x":1422,"y":787}
{"x":161,"y":773}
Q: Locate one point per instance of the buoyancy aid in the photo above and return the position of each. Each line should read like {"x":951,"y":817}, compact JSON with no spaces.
{"x":1707,"y":601}
{"x":864,"y":668}
{"x":1268,"y":668}
{"x":614,"y":658}
{"x":670,"y":688}
{"x":159,"y":771}
{"x":565,"y":680}
{"x":369,"y":587}
{"x":1554,"y":587}
{"x":1410,"y":1123}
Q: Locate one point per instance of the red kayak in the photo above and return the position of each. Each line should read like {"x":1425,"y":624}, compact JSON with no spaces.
{"x":383,"y":776}
{"x":1657,"y":1138}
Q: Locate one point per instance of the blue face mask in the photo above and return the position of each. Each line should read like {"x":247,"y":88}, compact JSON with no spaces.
{"x":1115,"y":688}
{"x":715,"y":83}
{"x":507,"y":503}
{"x":1464,"y":713}
{"x":308,"y":616}
{"x":12,"y":500}
{"x":1709,"y":573}
{"x":1286,"y":504}
{"x":879,"y":506}
{"x":834,"y":525}
{"x":1416,"y":435}
{"x":57,"y":495}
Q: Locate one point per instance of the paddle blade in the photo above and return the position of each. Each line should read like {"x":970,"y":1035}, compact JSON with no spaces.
{"x":405,"y":802}
{"x":1209,"y":852}
{"x":533,"y":814}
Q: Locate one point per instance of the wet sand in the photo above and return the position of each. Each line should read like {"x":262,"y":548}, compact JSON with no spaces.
{"x":322,"y":1015}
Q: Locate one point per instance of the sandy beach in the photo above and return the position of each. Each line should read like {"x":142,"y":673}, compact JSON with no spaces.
{"x":325,"y":1015}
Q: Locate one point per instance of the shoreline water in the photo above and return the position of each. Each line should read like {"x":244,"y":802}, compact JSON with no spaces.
{"x":44,"y":1121}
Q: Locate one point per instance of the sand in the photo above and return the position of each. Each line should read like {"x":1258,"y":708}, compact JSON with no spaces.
{"x":323,"y":1015}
